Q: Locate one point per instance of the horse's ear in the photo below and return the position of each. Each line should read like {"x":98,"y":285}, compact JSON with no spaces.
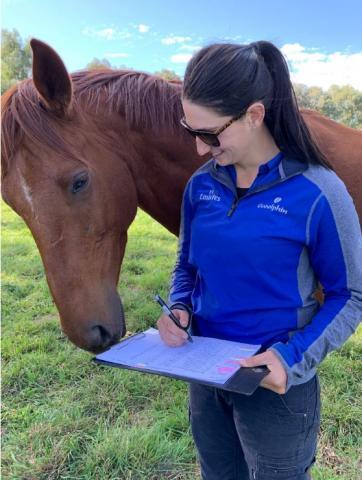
{"x":51,"y":78}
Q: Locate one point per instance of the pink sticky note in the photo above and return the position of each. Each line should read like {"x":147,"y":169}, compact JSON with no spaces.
{"x":224,"y":370}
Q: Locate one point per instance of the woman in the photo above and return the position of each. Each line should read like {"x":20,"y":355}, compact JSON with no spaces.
{"x":262,"y":222}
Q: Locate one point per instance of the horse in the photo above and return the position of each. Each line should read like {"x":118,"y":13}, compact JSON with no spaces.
{"x":81,"y":152}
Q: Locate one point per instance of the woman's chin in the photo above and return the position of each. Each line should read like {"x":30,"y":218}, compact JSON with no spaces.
{"x":221,"y":159}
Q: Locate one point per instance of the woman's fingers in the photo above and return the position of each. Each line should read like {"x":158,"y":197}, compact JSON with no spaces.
{"x":276,"y":380}
{"x":183,"y":317}
{"x":170,"y":333}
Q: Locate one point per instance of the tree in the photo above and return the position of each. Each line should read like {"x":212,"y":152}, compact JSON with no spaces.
{"x":15,"y":59}
{"x":347,"y":103}
{"x":168,"y":75}
{"x":97,"y":63}
{"x":340,"y":103}
{"x":301,"y":92}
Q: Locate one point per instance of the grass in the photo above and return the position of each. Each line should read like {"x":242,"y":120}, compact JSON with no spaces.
{"x":65,"y":418}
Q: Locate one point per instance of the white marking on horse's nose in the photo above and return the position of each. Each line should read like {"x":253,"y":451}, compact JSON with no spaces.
{"x":26,"y":190}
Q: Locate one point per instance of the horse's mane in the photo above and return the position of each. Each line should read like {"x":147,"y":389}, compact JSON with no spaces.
{"x":145,"y":101}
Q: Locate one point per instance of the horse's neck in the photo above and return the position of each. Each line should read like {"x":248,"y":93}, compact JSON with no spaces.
{"x":160,"y":179}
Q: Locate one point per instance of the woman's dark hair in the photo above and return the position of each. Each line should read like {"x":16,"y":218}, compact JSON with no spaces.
{"x":229,"y":77}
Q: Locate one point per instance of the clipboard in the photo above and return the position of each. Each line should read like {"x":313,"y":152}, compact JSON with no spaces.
{"x":245,"y":380}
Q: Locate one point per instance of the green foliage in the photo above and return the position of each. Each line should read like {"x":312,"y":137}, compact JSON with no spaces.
{"x":168,"y":75}
{"x":97,"y":63}
{"x":65,"y":418}
{"x":15,"y":59}
{"x":340,"y":103}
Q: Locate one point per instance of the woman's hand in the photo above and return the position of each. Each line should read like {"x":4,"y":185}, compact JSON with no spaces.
{"x":276,"y":380}
{"x":170,"y":333}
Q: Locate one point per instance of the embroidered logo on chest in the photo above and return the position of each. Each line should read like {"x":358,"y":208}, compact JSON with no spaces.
{"x":210,"y":195}
{"x":274,"y":207}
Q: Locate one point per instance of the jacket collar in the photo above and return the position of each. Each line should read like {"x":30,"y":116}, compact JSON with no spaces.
{"x":286,"y":167}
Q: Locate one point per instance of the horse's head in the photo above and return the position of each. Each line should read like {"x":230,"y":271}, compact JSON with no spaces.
{"x":76,"y":195}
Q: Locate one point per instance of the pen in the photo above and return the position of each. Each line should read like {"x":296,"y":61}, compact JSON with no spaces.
{"x":168,"y":312}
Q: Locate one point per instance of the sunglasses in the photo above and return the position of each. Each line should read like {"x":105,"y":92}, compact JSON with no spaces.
{"x":210,"y":138}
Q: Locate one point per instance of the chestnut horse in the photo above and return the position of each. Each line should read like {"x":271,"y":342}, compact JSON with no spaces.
{"x":81,"y":152}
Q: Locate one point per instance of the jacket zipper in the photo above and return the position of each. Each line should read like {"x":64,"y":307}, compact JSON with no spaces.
{"x":233,"y":206}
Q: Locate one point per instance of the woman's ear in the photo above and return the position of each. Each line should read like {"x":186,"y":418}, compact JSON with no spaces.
{"x":256,"y":114}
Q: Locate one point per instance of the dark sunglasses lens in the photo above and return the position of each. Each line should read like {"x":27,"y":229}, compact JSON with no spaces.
{"x":209,"y":139}
{"x":191,"y":132}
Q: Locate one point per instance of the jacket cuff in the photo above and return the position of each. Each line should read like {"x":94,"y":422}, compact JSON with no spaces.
{"x":294,"y":377}
{"x":181,"y":306}
{"x":285,"y":365}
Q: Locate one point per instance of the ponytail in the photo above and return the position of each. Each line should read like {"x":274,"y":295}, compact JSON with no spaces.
{"x":283,"y":117}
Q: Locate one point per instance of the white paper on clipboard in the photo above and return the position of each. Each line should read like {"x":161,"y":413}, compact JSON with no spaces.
{"x":206,"y":359}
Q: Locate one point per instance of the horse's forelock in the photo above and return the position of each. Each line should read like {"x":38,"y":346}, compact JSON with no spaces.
{"x":23,"y":115}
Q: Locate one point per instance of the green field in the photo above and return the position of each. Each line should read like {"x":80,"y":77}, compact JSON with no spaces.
{"x":65,"y":418}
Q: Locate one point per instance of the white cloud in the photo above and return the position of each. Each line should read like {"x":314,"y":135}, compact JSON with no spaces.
{"x":172,"y":39}
{"x":236,"y":38}
{"x":143,"y":28}
{"x":107,"y":33}
{"x":180,"y":58}
{"x":190,"y":48}
{"x":116,"y":55}
{"x":312,"y":67}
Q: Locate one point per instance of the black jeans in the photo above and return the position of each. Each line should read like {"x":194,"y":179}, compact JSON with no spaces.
{"x":265,"y":436}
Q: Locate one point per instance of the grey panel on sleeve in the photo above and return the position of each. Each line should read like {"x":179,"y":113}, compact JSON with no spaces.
{"x":307,"y":284}
{"x":346,"y":220}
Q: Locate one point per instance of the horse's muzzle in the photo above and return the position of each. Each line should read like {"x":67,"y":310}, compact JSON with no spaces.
{"x":101,"y":339}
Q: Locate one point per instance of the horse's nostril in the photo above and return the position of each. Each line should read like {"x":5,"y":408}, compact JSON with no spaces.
{"x":102,"y":337}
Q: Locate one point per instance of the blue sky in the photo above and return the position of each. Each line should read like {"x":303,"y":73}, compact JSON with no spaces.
{"x":322,"y":40}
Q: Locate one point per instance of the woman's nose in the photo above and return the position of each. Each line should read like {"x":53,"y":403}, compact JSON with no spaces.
{"x":202,"y":148}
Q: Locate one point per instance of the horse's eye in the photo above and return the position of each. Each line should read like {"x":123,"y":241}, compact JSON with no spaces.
{"x":80,"y":182}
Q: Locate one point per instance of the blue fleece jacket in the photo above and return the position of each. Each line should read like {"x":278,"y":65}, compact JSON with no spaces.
{"x":248,"y":268}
